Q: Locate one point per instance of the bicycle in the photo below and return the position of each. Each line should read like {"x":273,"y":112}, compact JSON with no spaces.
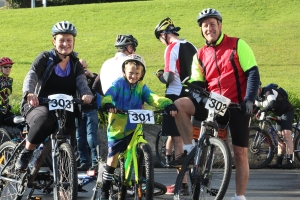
{"x":161,"y":140}
{"x":263,"y":145}
{"x":142,"y":183}
{"x":209,"y":163}
{"x":14,"y":183}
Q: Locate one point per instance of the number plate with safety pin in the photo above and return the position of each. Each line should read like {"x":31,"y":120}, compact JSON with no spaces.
{"x":61,"y":101}
{"x":217,"y":103}
{"x":141,"y":116}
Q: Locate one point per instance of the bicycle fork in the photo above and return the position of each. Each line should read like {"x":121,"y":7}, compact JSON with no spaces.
{"x":54,"y":165}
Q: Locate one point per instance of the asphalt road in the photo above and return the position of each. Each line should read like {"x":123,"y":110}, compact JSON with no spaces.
{"x":264,"y":184}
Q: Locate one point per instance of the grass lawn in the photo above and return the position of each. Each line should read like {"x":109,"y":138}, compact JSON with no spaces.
{"x":269,"y":27}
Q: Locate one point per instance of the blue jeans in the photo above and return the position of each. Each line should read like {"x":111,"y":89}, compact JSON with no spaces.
{"x":87,"y":134}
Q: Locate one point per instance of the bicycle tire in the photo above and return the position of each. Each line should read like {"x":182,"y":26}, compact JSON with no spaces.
{"x":67,"y":173}
{"x":204,"y":184}
{"x":261,"y":148}
{"x":297,"y":145}
{"x":144,"y":186}
{"x":160,"y":148}
{"x":159,"y":189}
{"x":11,"y":190}
{"x":4,"y":136}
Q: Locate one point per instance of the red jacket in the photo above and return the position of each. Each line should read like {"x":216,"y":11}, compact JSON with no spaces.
{"x":222,"y":70}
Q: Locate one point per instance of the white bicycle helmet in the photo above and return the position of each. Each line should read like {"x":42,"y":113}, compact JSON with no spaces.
{"x":137,"y":58}
{"x":208,"y":13}
{"x":64,"y":27}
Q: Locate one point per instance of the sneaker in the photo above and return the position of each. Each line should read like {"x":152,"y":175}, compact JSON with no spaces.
{"x":23,"y":160}
{"x":83,"y":167}
{"x":170,"y":189}
{"x":179,"y":160}
{"x":287,"y":165}
{"x":238,"y":197}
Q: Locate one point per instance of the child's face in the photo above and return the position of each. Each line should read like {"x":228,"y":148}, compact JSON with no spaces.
{"x":133,"y":72}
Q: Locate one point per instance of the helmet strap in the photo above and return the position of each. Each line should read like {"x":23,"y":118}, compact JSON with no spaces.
{"x":133,"y":49}
{"x":166,"y":38}
{"x":64,"y":55}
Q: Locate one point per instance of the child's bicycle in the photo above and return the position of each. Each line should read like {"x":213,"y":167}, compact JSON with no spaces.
{"x":137,"y":158}
{"x":263,"y":145}
{"x":14,"y":183}
{"x":208,"y":165}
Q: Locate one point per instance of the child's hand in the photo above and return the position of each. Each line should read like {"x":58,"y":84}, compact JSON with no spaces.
{"x":171,"y":109}
{"x":110,"y":108}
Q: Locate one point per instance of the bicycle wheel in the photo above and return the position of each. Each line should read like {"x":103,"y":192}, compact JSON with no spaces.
{"x":144,"y":186}
{"x":297,"y":145}
{"x":67,"y":173}
{"x":261,"y":149}
{"x":210,"y":179}
{"x":159,"y":189}
{"x":4,"y":136}
{"x":11,"y":190}
{"x":160,"y":148}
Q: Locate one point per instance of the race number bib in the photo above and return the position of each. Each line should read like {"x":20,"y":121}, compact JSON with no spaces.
{"x":61,"y":101}
{"x":217,"y":103}
{"x":141,"y":116}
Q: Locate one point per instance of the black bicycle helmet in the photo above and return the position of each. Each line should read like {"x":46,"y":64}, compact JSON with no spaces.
{"x":125,"y":40}
{"x":136,"y":58}
{"x":64,"y":27}
{"x":208,"y":13}
{"x":166,"y":26}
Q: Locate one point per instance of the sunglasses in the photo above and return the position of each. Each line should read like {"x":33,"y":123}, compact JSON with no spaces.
{"x":5,"y":67}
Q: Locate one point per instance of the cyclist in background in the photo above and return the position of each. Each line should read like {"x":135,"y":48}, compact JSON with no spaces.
{"x":227,"y":66}
{"x":271,"y":100}
{"x":6,"y":117}
{"x":112,"y":68}
{"x":178,"y":58}
{"x":87,"y":126}
{"x":127,"y":92}
{"x":64,"y":75}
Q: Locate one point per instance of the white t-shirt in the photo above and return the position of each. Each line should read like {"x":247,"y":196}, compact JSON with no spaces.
{"x":111,"y":70}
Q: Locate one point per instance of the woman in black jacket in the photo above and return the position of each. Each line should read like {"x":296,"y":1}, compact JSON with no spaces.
{"x":54,"y":72}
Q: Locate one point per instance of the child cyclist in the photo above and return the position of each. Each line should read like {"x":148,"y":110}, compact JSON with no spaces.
{"x":127,"y":92}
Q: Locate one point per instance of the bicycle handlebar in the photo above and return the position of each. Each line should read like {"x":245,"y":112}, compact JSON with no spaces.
{"x":205,"y":94}
{"x":45,"y":100}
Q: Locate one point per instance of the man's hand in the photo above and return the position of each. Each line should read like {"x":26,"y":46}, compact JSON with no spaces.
{"x":171,"y":109}
{"x":87,"y":99}
{"x":247,"y":107}
{"x":159,"y":73}
{"x":88,"y":73}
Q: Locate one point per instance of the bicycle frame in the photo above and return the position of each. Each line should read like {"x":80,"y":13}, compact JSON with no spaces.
{"x":272,"y":130}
